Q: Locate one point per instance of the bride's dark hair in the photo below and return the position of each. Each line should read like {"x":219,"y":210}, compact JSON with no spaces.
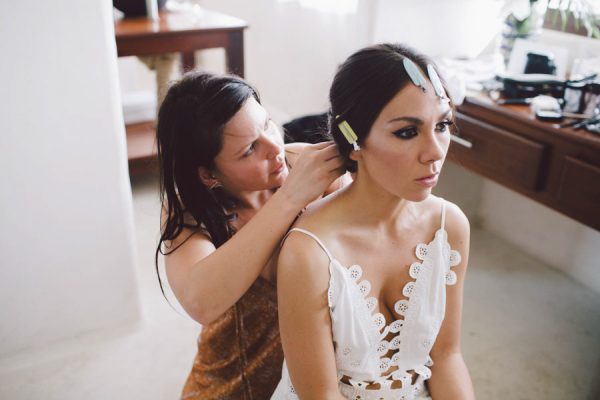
{"x":363,"y":85}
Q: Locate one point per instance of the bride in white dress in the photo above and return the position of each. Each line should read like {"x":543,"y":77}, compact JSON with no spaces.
{"x":370,"y":280}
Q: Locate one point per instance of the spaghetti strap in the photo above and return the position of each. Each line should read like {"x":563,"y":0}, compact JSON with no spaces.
{"x":312,"y":235}
{"x":443,"y":214}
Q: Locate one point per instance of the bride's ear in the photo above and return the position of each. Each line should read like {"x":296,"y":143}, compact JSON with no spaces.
{"x":355,"y":155}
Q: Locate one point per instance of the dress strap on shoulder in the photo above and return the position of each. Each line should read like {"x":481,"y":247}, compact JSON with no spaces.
{"x":312,"y":235}
{"x":443,"y":213}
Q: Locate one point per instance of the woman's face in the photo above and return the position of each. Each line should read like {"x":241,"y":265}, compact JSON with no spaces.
{"x":408,"y":141}
{"x":252,"y":157}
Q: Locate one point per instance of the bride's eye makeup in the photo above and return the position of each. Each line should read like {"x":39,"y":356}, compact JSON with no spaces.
{"x":411,"y":131}
{"x":444,"y":125}
{"x":406,"y":133}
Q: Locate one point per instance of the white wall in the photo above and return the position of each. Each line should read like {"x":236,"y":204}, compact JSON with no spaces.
{"x":66,"y":241}
{"x":292,"y":52}
{"x":438,"y":28}
{"x":557,"y":240}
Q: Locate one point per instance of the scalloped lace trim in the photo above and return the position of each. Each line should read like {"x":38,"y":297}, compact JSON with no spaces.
{"x":401,"y":307}
{"x":416,"y":391}
{"x":357,"y":389}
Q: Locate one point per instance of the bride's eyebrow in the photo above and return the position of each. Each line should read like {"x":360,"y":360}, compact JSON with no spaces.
{"x":419,"y":121}
{"x":414,"y":120}
{"x":446,"y":114}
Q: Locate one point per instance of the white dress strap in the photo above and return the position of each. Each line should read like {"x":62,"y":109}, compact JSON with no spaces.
{"x":443,"y":213}
{"x":312,"y":235}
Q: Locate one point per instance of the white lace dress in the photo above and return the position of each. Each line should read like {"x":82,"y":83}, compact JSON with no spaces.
{"x":364,"y":340}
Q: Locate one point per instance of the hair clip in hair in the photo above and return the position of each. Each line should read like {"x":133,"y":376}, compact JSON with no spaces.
{"x":436,"y":82}
{"x":415,"y":74}
{"x":349,"y":134}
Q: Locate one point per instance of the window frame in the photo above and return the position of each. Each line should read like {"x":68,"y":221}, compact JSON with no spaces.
{"x":553,"y":20}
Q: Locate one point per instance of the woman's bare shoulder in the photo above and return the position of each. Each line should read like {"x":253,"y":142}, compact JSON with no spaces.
{"x":187,"y":238}
{"x":457,"y":224}
{"x":458,"y":230}
{"x":302,"y":261}
{"x":455,"y":220}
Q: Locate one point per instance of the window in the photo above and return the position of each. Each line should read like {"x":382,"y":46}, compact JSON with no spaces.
{"x":580,"y":17}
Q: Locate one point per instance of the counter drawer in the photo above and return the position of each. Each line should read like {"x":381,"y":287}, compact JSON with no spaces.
{"x":512,"y":160}
{"x":579,"y":190}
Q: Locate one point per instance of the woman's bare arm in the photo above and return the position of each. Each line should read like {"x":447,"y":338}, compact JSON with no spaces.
{"x":304,"y":321}
{"x":450,"y":377}
{"x":208,"y":281}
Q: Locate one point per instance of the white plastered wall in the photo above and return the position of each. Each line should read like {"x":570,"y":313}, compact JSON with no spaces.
{"x":292,"y":52}
{"x":67,"y":240}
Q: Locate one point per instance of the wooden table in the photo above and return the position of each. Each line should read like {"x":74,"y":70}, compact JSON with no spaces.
{"x":557,"y":167}
{"x":175,"y":32}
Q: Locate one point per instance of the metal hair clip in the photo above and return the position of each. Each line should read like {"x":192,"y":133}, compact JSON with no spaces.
{"x":349,"y":134}
{"x":415,"y":74}
{"x":436,"y":82}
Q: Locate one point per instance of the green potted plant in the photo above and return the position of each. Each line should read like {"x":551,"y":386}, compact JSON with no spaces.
{"x":582,"y":14}
{"x":525,"y":19}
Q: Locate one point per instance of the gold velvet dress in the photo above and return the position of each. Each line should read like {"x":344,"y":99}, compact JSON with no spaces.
{"x":239,"y":354}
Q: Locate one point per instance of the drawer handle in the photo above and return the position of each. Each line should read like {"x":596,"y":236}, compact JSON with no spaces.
{"x":461,"y":141}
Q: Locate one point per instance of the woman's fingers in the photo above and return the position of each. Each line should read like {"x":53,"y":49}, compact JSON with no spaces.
{"x":317,"y":166}
{"x":326,"y":151}
{"x":329,"y":158}
{"x":320,"y":145}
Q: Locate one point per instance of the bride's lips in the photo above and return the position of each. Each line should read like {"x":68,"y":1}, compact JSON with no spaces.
{"x":428,"y":181}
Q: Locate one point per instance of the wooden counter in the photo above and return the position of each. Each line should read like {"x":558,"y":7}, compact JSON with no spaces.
{"x":558,"y":167}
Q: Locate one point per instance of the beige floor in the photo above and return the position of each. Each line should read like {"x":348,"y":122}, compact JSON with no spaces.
{"x":529,"y":332}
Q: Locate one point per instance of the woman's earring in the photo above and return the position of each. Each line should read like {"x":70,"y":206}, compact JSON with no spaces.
{"x":216,"y":184}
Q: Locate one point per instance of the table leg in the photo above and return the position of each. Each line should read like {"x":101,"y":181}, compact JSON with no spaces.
{"x":234,"y":53}
{"x":188,"y":61}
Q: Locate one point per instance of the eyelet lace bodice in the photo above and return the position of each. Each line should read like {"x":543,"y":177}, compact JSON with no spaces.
{"x":365,"y":340}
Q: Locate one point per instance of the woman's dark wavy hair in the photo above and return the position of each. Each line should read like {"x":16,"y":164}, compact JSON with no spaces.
{"x":190,"y":135}
{"x":362,"y":87}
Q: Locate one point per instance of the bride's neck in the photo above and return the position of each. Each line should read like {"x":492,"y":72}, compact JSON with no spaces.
{"x":371,"y":204}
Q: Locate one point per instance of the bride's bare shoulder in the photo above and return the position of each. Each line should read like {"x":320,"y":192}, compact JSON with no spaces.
{"x":322,"y":215}
{"x":302,"y":256}
{"x":456,"y":223}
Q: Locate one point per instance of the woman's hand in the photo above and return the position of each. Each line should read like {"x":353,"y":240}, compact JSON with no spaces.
{"x":317,"y":166}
